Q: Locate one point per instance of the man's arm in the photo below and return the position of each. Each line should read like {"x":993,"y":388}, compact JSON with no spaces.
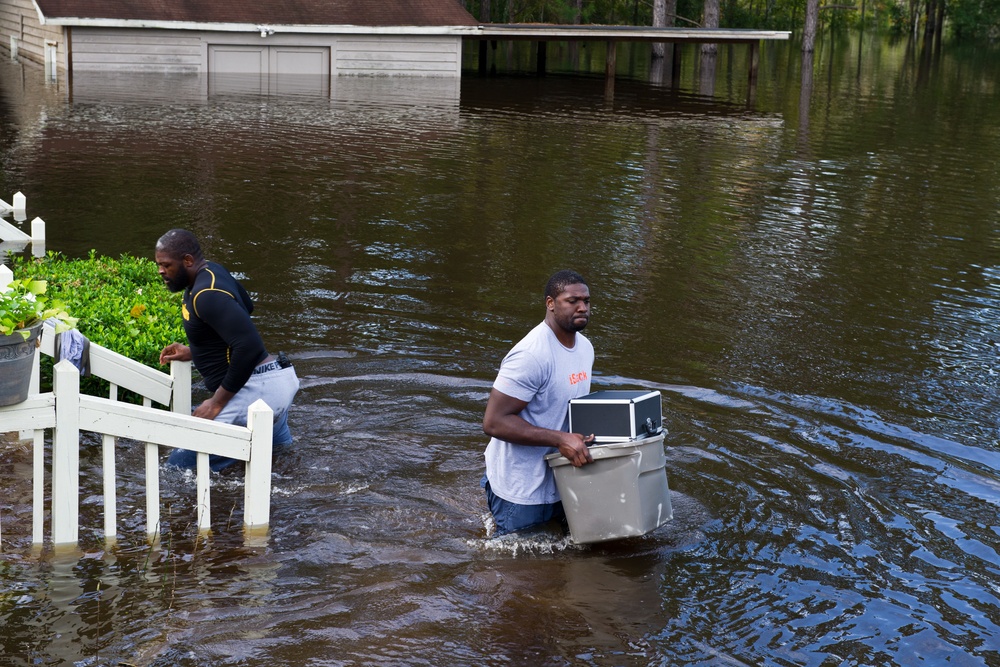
{"x":233,"y":324}
{"x":503,"y":421}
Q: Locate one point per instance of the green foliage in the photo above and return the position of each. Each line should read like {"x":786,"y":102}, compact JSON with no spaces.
{"x":23,"y":304}
{"x":975,"y":19}
{"x":121,"y":304}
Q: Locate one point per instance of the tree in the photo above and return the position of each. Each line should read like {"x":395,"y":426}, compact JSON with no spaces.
{"x":809,"y":30}
{"x":964,"y":19}
{"x":710,"y":19}
{"x":659,"y":21}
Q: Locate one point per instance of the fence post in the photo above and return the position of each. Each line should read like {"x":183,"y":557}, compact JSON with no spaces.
{"x":38,"y":487}
{"x":180,"y":372}
{"x":66,"y":454}
{"x":204,"y":499}
{"x":257,"y":486}
{"x":110,"y":487}
{"x":152,"y":493}
{"x":37,"y":230}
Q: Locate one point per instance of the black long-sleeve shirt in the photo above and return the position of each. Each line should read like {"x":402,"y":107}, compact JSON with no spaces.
{"x":225,"y":345}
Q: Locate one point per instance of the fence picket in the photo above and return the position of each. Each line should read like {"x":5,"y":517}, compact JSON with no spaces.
{"x":66,"y":455}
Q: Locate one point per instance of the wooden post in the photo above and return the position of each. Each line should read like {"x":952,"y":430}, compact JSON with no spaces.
{"x":110,"y":490}
{"x":180,"y":402}
{"x":257,"y":487}
{"x":204,"y":499}
{"x":66,"y":455}
{"x":180,"y":372}
{"x":541,"y":58}
{"x":20,"y":203}
{"x":610,"y":66}
{"x":483,"y":64}
{"x":38,"y":489}
{"x":152,"y":493}
{"x":37,"y":230}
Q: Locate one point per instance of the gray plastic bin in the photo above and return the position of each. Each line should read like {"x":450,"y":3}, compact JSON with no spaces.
{"x":623,"y":493}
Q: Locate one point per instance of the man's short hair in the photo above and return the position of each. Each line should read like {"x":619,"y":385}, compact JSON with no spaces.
{"x":560,"y":280}
{"x":178,"y":243}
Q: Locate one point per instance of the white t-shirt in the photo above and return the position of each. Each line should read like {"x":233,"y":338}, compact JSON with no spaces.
{"x":545,"y":374}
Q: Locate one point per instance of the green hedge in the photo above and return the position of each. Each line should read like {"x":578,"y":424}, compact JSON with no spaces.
{"x":122,"y":303}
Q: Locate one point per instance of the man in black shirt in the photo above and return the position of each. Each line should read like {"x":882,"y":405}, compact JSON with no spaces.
{"x":223,"y":343}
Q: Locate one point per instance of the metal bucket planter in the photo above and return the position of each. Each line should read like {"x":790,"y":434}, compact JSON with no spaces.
{"x":16,"y":355}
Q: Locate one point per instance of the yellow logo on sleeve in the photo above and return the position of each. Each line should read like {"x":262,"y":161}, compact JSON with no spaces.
{"x":184,"y":312}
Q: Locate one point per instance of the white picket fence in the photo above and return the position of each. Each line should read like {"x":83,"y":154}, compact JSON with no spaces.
{"x":66,"y":412}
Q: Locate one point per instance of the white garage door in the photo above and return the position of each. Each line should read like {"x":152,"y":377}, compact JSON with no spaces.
{"x":269,"y":69}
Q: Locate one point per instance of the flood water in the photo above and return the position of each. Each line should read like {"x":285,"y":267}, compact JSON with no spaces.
{"x":810,"y":275}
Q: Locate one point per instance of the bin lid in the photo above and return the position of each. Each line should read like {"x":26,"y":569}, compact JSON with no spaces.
{"x":614,"y":396}
{"x":608,"y":451}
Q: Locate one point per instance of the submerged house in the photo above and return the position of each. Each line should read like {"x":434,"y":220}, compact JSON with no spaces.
{"x":265,"y":37}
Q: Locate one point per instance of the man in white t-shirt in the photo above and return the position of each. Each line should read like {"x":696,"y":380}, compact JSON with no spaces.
{"x":527,"y":415}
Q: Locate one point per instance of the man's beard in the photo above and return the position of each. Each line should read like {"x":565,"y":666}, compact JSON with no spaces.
{"x":177,"y":284}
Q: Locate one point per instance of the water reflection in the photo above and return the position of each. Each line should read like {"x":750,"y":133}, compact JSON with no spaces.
{"x":8,"y":248}
{"x":144,"y":89}
{"x":706,"y":73}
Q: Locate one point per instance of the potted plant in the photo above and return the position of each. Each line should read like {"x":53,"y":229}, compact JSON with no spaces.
{"x":23,"y":309}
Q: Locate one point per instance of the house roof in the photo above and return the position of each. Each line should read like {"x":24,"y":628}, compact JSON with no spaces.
{"x":265,"y":12}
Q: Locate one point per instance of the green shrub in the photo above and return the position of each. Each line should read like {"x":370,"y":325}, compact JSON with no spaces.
{"x":121,"y":304}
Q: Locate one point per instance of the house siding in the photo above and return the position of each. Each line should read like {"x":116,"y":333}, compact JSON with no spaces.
{"x":102,"y":49}
{"x":172,"y":51}
{"x":19,"y":19}
{"x":381,"y":56}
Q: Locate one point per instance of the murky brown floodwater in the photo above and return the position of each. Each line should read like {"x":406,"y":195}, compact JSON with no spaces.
{"x":810,"y":279}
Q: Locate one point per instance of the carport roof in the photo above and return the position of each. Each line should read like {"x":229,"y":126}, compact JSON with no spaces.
{"x":267,"y":12}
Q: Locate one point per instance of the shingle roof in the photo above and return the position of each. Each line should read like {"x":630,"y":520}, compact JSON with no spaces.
{"x":276,"y":12}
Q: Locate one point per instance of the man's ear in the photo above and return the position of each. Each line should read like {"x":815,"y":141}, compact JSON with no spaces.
{"x":188,"y":260}
{"x":550,"y":303}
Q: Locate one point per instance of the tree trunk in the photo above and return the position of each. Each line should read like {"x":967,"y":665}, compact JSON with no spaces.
{"x":939,"y":24}
{"x":484,"y":11}
{"x":711,"y":20}
{"x":812,"y":20}
{"x":929,"y":20}
{"x":659,"y":21}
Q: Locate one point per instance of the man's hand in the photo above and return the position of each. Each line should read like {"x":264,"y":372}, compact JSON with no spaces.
{"x":175,"y":352}
{"x":213,"y":405}
{"x":208,"y":409}
{"x":574,"y":448}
